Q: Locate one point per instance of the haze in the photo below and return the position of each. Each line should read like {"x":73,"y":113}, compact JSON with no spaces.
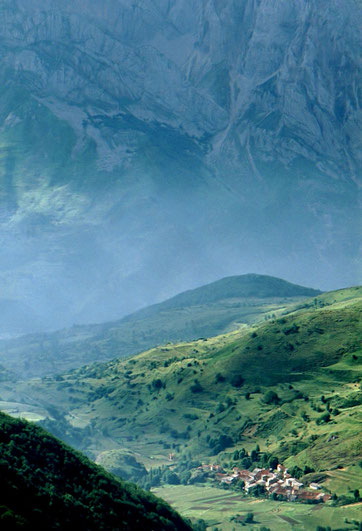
{"x":151,"y":147}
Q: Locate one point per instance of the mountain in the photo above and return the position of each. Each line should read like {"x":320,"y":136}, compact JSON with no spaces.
{"x":289,"y":385}
{"x":47,"y":485}
{"x":150,"y":147}
{"x":207,"y":311}
{"x":242,"y":286}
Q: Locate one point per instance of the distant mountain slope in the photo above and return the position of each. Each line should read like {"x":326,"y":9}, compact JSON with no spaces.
{"x":290,"y":385}
{"x":46,"y":485}
{"x":204,"y":312}
{"x":241,"y":286}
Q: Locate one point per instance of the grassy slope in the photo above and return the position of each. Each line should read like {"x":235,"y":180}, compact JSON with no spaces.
{"x":46,"y":485}
{"x":149,"y":402}
{"x":204,"y":312}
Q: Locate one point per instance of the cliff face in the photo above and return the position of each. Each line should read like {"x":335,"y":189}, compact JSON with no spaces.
{"x":221,"y":133}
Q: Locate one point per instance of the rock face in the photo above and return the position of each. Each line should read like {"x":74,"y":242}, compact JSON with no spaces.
{"x":150,"y":146}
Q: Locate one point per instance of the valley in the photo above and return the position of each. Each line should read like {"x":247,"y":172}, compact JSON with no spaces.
{"x":227,"y":510}
{"x":180,"y":266}
{"x":286,"y":389}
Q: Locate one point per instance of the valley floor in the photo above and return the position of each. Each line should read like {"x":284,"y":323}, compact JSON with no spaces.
{"x":223,"y":508}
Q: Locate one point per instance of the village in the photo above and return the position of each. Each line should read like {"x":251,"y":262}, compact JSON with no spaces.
{"x":278,"y":483}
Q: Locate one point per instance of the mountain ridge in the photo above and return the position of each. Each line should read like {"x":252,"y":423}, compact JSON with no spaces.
{"x":236,"y":286}
{"x":205,"y":311}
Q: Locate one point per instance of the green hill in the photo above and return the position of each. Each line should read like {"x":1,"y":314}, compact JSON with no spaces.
{"x":46,"y":485}
{"x":204,"y":312}
{"x":241,"y":286}
{"x":290,"y":385}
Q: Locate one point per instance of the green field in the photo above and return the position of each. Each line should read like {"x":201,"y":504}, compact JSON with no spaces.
{"x":217,"y":506}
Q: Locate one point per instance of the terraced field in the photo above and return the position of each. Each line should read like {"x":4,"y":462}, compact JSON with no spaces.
{"x":217,"y":507}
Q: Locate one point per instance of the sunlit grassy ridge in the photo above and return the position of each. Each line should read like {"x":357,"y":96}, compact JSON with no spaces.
{"x":290,"y":385}
{"x":204,"y":312}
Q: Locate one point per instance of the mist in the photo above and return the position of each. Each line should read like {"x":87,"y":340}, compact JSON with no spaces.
{"x":149,"y":148}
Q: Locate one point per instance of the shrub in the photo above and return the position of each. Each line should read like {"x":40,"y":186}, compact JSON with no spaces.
{"x":196,"y":387}
{"x":220,"y":408}
{"x":271,"y":397}
{"x":323,"y":419}
{"x":237,"y":380}
{"x":291,"y":330}
{"x":157,"y":383}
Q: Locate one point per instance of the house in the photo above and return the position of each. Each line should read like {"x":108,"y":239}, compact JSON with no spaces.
{"x":250,"y":485}
{"x":261,"y":474}
{"x":271,"y":480}
{"x":280,"y":482}
{"x":210,"y":468}
{"x":305,"y":495}
{"x":282,"y":470}
{"x":292,"y":482}
{"x":228,"y":480}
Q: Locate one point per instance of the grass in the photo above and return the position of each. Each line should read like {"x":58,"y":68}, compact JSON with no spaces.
{"x":217,"y":506}
{"x":151,"y":405}
{"x":217,"y":308}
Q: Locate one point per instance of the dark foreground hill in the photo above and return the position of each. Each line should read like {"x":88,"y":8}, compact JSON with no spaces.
{"x":203,"y":312}
{"x":46,"y":485}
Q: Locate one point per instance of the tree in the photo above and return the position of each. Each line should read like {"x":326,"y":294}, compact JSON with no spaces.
{"x":246,"y":462}
{"x":172,"y":478}
{"x":296,"y":472}
{"x":254,"y":455}
{"x":273,"y":462}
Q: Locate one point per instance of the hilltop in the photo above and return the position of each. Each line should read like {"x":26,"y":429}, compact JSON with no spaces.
{"x":289,"y":385}
{"x":47,"y":485}
{"x":239,"y":286}
{"x":209,"y":310}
